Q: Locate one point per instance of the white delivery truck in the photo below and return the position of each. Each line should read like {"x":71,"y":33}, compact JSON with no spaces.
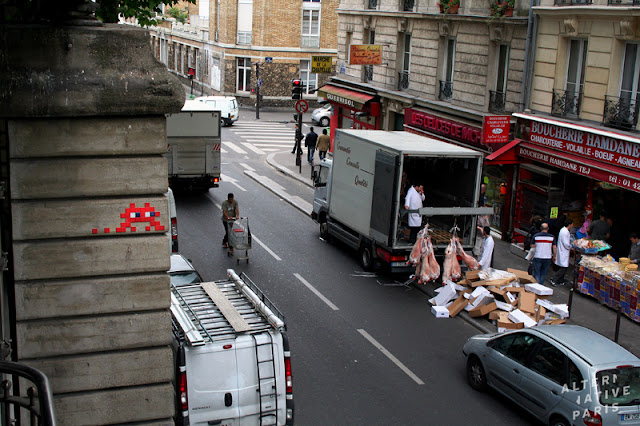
{"x":232,"y":355}
{"x":194,"y":143}
{"x":360,"y":193}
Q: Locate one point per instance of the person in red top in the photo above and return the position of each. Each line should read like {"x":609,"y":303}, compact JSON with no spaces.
{"x":543,"y":244}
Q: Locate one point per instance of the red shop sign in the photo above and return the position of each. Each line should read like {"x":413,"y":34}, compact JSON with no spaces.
{"x":440,"y":126}
{"x":495,"y":128}
{"x":623,"y":178}
{"x":600,"y":146}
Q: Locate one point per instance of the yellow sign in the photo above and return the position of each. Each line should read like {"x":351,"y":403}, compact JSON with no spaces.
{"x":321,"y":64}
{"x":554,"y":213}
{"x":365,"y":54}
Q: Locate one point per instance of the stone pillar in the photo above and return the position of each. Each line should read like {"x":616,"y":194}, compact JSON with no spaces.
{"x":82,"y":111}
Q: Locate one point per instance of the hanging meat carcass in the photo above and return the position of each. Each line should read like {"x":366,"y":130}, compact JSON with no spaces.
{"x":451,"y":267}
{"x":469,"y":260}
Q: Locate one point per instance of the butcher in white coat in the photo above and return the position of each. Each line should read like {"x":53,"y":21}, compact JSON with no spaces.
{"x":413,"y":201}
{"x":561,"y":250}
{"x":486,"y":256}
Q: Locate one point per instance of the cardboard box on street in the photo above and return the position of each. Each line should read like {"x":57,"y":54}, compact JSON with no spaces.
{"x":519,"y":316}
{"x":483,"y":310}
{"x":440,"y":312}
{"x":457,"y":306}
{"x":509,"y":325}
{"x":523,"y":276}
{"x":557,"y":321}
{"x":539,"y":289}
{"x":514,"y":289}
{"x":472,"y":275}
{"x":527,"y":302}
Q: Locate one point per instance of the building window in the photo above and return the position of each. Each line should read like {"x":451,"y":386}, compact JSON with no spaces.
{"x":245,"y":21}
{"x":367,"y":70}
{"x":446,"y":84}
{"x":405,"y":61}
{"x":568,"y":103}
{"x":497,"y":101}
{"x":407,"y":5}
{"x":244,"y":75}
{"x":309,"y":79}
{"x":622,"y":112}
{"x":371,"y":4}
{"x":310,"y":24}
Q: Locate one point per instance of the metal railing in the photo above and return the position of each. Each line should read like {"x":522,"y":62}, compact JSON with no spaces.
{"x":36,"y":407}
{"x":566,"y":103}
{"x":620,"y":113}
{"x":403,"y":80}
{"x":623,"y":2}
{"x":446,"y":90}
{"x":407,"y":5}
{"x":243,"y":37}
{"x":367,"y":73}
{"x":497,"y":101}
{"x":310,"y":41}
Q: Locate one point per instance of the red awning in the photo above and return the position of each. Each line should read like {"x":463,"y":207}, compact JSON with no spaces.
{"x":624,"y":178}
{"x":350,"y":98}
{"x":504,"y":155}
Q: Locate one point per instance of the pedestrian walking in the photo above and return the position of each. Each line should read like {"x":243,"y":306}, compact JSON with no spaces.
{"x":230,"y":212}
{"x":561,"y":251}
{"x":542,"y":242}
{"x":298,"y":137}
{"x":323,"y":144}
{"x":413,"y":201}
{"x":310,"y":143}
{"x":486,"y":256}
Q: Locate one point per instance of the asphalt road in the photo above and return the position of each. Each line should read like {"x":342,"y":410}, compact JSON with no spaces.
{"x":365,"y":349}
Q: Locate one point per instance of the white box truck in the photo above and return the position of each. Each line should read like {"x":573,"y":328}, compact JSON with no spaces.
{"x":194,"y":143}
{"x":232,"y":354}
{"x":360,"y":193}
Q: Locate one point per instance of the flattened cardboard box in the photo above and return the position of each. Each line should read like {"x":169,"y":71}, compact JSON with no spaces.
{"x":510,"y":325}
{"x":457,"y":306}
{"x":483,"y":310}
{"x":472,"y":275}
{"x":523,"y":276}
{"x":527,"y":302}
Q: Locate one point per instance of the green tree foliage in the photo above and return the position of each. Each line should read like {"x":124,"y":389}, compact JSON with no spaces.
{"x":180,"y":15}
{"x":144,"y":10}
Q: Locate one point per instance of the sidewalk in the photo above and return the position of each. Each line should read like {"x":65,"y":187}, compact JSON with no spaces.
{"x":585,"y":310}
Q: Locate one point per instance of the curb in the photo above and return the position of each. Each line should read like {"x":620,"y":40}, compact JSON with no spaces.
{"x":298,"y":176}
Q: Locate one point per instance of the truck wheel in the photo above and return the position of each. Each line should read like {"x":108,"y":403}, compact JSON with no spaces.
{"x":324,"y":231}
{"x":366,"y":258}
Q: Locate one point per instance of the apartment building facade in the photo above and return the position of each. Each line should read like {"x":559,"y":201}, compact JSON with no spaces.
{"x":238,"y":47}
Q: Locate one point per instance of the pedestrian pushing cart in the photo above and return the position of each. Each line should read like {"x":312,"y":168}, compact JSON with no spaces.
{"x":239,"y":239}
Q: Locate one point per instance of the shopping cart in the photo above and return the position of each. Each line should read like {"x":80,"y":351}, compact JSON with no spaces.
{"x":239,"y":239}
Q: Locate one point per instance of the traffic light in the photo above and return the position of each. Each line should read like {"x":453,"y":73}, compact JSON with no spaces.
{"x":296,"y":89}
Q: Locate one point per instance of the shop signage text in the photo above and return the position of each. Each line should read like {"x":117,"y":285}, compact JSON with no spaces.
{"x":341,"y":100}
{"x":582,"y":169}
{"x":590,"y":145}
{"x":450,"y":129}
{"x":321,"y":64}
{"x":365,"y":54}
{"x":495,"y":128}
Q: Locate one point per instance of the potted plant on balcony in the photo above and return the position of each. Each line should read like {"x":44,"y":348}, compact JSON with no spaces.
{"x":449,"y":6}
{"x":500,"y":9}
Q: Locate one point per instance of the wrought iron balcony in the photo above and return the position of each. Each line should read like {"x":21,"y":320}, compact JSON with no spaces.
{"x":403,"y":80}
{"x":36,"y":406}
{"x":367,"y":73}
{"x":372,"y":4}
{"x":446,"y":90}
{"x":573,"y":2}
{"x":243,"y":37}
{"x":566,"y":103}
{"x":408,"y":5}
{"x":497,"y":101}
{"x":620,"y":113}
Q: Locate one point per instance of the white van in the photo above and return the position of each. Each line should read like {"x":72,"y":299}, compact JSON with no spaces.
{"x":232,"y":355}
{"x":227,"y":105}
{"x":174,"y":221}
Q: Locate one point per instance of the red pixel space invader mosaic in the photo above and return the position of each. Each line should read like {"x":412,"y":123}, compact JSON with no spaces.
{"x":134,"y":215}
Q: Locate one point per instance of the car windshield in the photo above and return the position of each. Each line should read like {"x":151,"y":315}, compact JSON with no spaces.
{"x":182,"y":278}
{"x":619,"y":386}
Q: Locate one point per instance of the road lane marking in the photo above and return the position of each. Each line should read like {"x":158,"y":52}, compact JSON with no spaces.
{"x":234,"y":147}
{"x":316,"y":292}
{"x":253,"y":148}
{"x":232,"y":181}
{"x":247,"y":167}
{"x":389,"y":355}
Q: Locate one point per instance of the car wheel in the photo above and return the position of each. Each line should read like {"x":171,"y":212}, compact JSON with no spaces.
{"x":476,"y":375}
{"x":366,"y":258}
{"x":229,"y":122}
{"x":324,"y":121}
{"x":558,"y":421}
{"x":324,"y":230}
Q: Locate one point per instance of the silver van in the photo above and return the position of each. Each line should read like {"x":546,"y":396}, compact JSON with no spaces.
{"x":227,"y":105}
{"x":174,"y":221}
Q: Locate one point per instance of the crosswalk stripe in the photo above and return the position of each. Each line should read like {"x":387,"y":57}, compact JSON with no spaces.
{"x":253,"y":148}
{"x":235,"y":148}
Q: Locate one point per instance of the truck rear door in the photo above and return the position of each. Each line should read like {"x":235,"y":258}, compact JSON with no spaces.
{"x":212,"y":389}
{"x":384,"y":199}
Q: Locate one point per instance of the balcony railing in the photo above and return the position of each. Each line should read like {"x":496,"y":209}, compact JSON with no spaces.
{"x":244,"y":37}
{"x":497,"y":101}
{"x":367,"y":73}
{"x":446,"y":90}
{"x":310,"y":41}
{"x":566,"y":103}
{"x":408,"y":5}
{"x":36,"y":406}
{"x":372,"y":4}
{"x":403,"y":80}
{"x":620,"y":113}
{"x":572,"y":2}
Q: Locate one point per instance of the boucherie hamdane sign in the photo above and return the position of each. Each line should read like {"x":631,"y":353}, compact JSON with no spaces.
{"x":603,"y":146}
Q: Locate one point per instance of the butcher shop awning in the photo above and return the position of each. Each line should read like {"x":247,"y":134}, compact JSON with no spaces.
{"x":504,"y":155}
{"x":624,"y":178}
{"x":350,"y":98}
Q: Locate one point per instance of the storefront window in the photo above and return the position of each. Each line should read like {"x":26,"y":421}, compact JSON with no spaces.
{"x":495,"y":179}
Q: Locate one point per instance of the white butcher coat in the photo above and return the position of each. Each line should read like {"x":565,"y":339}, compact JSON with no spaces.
{"x":487,"y":252}
{"x":563,"y":247}
{"x":414,"y":200}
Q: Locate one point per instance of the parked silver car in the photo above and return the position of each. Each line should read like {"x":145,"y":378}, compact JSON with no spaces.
{"x":562,"y":374}
{"x":182,"y":271}
{"x":322,"y":115}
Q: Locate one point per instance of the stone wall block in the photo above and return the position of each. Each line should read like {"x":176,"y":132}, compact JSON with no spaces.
{"x":116,"y":406}
{"x":91,"y":257}
{"x":86,"y":177}
{"x":74,"y":218}
{"x":107,"y":370}
{"x":67,"y":298}
{"x":87,"y":136}
{"x":83,"y":335}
